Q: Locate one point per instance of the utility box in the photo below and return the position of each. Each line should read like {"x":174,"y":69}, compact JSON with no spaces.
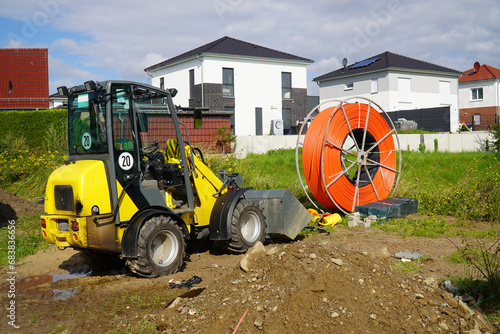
{"x":285,"y":215}
{"x":390,"y":207}
{"x":277,"y":127}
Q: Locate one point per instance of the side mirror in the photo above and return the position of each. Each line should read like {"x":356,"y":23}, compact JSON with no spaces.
{"x":173,"y":92}
{"x":197,"y":118}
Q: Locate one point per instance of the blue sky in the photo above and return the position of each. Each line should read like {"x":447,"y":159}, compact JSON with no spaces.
{"x":101,"y":40}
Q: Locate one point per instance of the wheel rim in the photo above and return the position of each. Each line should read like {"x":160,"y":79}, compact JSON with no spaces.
{"x":250,"y":226}
{"x":164,"y":248}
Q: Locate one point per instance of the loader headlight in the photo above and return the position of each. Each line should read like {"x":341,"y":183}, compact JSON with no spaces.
{"x":95,"y":210}
{"x":74,"y":226}
{"x":43,"y":223}
{"x":90,"y":85}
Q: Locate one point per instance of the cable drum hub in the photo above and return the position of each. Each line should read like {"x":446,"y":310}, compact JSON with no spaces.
{"x":349,"y":154}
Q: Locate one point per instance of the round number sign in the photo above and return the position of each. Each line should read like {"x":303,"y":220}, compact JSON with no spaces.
{"x":86,"y":141}
{"x":126,"y":161}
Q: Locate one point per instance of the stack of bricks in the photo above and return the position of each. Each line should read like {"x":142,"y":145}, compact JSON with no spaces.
{"x":356,"y":220}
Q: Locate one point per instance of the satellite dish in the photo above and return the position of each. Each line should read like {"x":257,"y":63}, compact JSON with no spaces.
{"x":477,"y":66}
{"x":344,"y":62}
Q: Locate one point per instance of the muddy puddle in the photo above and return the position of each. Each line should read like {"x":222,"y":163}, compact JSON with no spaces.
{"x":56,"y":286}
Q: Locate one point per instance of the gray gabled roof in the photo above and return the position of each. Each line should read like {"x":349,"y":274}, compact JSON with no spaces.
{"x":385,"y":61}
{"x":231,"y":46}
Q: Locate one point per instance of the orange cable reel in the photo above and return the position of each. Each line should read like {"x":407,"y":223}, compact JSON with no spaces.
{"x":349,"y":156}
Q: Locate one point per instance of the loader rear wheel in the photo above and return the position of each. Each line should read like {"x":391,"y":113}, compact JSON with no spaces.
{"x":160,"y":248}
{"x":248,"y":226}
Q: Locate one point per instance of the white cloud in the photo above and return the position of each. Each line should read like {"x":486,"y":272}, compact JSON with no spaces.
{"x":110,"y":38}
{"x":63,"y":74}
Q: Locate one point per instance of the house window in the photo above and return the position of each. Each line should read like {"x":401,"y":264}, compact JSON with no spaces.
{"x":286,"y":85}
{"x":228,"y":82}
{"x":162,"y":83}
{"x":477,"y":119}
{"x":10,"y":86}
{"x":191,"y":84}
{"x":404,"y":89}
{"x":374,"y":86}
{"x":349,"y":86}
{"x":476,"y":94}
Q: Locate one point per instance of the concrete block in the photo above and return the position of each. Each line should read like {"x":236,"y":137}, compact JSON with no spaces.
{"x":352,"y":223}
{"x":366,"y":223}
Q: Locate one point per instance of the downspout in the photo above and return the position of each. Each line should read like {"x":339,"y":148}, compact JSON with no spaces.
{"x":201,"y":70}
{"x":498,"y":101}
{"x":458,"y":105}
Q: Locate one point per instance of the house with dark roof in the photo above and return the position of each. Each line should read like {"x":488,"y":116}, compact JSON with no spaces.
{"x":411,"y":88}
{"x":24,"y":79}
{"x":264,"y":89}
{"x":479,"y":91}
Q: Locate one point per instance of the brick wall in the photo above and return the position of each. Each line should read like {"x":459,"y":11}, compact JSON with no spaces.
{"x":213,"y":99}
{"x":489,"y":116}
{"x":161,"y":128}
{"x":298,"y":105}
{"x":24,"y":79}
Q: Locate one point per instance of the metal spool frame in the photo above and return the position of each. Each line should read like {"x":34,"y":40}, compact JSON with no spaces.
{"x":357,"y":155}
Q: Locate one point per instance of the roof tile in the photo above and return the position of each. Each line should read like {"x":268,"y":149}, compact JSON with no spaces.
{"x":485,"y":72}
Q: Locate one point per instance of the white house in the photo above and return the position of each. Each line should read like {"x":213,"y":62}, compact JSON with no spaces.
{"x":57,"y":101}
{"x":258,"y":84}
{"x":399,"y":83}
{"x":479,"y":91}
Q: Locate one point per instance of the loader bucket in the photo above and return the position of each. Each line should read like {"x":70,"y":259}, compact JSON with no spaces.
{"x":285,"y":215}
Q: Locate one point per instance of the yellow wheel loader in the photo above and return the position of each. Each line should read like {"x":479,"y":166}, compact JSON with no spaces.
{"x":133,"y":186}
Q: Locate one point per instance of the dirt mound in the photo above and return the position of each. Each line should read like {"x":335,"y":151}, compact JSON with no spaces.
{"x":320,"y":287}
{"x":337,"y":283}
{"x":13,"y":207}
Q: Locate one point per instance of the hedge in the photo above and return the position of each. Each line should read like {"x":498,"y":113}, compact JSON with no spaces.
{"x":32,"y":124}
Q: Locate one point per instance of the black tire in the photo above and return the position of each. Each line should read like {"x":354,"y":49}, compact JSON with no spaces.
{"x":248,"y":226}
{"x":161,"y":248}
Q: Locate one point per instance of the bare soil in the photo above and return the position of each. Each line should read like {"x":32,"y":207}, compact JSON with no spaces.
{"x":13,"y":207}
{"x":341,"y":282}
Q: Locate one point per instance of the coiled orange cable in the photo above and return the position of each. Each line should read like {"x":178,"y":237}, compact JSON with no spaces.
{"x":322,"y":153}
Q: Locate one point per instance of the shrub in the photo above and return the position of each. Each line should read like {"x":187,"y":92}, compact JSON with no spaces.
{"x":34,"y":125}
{"x":495,"y":131}
{"x":482,"y":256}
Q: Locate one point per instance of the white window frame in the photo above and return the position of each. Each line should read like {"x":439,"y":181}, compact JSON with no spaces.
{"x":478,"y":89}
{"x":286,"y":91}
{"x":349,"y":86}
{"x":477,"y":119}
{"x":228,"y":86}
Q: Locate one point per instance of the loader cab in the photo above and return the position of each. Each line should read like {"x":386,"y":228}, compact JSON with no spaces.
{"x":119,"y":124}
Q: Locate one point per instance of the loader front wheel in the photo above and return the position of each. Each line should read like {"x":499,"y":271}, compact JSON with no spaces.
{"x":160,"y":248}
{"x":248,"y":226}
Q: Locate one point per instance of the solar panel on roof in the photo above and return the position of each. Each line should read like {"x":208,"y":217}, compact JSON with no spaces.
{"x":364,"y":63}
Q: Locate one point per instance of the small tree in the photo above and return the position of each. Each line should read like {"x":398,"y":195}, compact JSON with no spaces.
{"x":224,"y":138}
{"x":495,"y":131}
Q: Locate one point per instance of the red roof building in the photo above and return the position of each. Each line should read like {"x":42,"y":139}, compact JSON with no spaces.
{"x":479,"y":91}
{"x":24,"y":79}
